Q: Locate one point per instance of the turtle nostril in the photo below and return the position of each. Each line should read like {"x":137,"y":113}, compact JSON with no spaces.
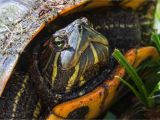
{"x":79,"y":27}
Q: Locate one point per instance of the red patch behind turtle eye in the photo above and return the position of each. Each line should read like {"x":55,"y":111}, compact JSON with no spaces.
{"x":46,"y":43}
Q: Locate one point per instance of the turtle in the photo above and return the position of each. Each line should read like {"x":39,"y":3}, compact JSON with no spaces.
{"x":65,"y":69}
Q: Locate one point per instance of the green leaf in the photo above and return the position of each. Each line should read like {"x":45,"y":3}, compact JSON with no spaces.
{"x":156,"y":40}
{"x":151,"y":77}
{"x":131,"y":71}
{"x":140,"y":86}
{"x":132,"y":88}
{"x":156,"y":89}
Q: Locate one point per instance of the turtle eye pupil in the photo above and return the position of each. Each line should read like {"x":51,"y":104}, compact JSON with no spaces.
{"x":59,"y":43}
{"x":80,"y":27}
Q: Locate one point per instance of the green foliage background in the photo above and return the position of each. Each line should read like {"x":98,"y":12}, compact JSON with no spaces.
{"x":157,"y":18}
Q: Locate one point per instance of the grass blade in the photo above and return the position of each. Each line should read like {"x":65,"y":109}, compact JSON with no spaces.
{"x":156,"y":89}
{"x":132,"y":88}
{"x":156,"y":40}
{"x":133,"y":74}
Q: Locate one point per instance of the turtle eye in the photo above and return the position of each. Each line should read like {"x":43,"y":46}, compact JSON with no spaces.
{"x":59,"y":43}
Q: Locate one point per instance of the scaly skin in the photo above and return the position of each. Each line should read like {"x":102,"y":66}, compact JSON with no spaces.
{"x":12,"y":107}
{"x":19,"y":101}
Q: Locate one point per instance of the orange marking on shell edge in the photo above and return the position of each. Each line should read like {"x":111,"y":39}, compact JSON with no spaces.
{"x":62,"y":13}
{"x":85,"y":101}
{"x":55,"y":117}
{"x":6,"y":78}
{"x":132,"y":4}
{"x":38,"y":30}
{"x":145,"y":53}
{"x":74,"y":8}
{"x":3,"y":84}
{"x":65,"y":108}
{"x":68,"y":10}
{"x":87,"y":4}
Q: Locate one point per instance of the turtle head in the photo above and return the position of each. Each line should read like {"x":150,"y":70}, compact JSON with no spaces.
{"x":73,"y":56}
{"x":74,"y":40}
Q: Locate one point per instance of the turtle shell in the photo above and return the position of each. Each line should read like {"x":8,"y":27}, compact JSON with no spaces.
{"x":28,"y":24}
{"x":43,"y":20}
{"x":21,"y":22}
